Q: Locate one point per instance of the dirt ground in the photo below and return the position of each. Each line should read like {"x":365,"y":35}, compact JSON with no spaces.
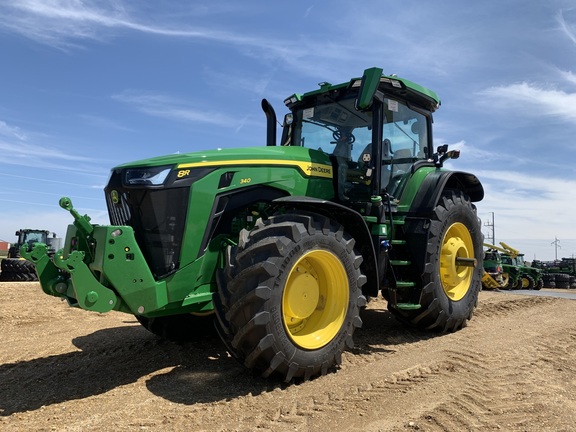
{"x":512,"y":369}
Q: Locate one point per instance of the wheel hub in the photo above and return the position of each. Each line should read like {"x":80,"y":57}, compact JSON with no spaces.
{"x":315,"y":299}
{"x":457,"y":246}
{"x":303,"y":296}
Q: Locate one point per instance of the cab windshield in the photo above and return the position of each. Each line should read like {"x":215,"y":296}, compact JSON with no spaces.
{"x":339,"y":130}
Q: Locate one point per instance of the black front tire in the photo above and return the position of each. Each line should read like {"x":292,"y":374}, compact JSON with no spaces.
{"x":290,"y":296}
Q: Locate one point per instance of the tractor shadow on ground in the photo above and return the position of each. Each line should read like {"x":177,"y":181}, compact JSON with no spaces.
{"x":381,"y":331}
{"x":111,"y":358}
{"x":226,"y":379}
{"x":186,"y":373}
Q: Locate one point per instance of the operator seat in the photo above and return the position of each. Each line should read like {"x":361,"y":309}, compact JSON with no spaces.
{"x":365,"y":160}
{"x":366,"y":156}
{"x":404,"y":166}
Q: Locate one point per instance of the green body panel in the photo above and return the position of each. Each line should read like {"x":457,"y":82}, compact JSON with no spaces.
{"x":409,"y":186}
{"x":114,"y":275}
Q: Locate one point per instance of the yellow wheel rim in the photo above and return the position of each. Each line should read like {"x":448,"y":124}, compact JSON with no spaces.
{"x":456,"y":279}
{"x":315,"y":299}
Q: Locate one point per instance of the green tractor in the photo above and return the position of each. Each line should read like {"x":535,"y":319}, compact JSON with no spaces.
{"x":14,"y":268}
{"x":281,"y":246}
{"x":494,"y":276}
{"x":530,"y":277}
{"x":518,"y":274}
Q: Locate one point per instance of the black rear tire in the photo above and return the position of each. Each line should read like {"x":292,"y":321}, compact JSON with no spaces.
{"x":290,"y":296}
{"x":450,"y":291}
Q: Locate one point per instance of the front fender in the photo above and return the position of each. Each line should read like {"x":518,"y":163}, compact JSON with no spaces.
{"x":354,"y":224}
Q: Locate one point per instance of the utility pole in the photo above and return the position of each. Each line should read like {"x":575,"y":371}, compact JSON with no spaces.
{"x":491,"y":225}
{"x":556,"y":246}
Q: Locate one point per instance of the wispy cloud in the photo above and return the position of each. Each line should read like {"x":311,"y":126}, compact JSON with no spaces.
{"x":160,"y":105}
{"x":64,"y":23}
{"x":529,"y":206}
{"x":567,"y":76}
{"x":12,"y":131}
{"x":27,"y":152}
{"x":532,"y":100}
{"x":24,"y":151}
{"x":69,"y":24}
{"x":103,"y":122}
{"x":565,"y":27}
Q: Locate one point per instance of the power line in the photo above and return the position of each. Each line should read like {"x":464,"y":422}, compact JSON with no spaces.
{"x":556,"y":246}
{"x":491,"y":225}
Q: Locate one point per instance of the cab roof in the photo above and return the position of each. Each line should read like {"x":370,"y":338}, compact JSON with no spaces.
{"x":389,"y":84}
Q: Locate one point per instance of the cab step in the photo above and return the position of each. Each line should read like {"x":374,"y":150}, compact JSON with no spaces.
{"x":400,"y":262}
{"x":408,"y":306}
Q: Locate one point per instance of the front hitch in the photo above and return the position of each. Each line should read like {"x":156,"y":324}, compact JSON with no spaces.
{"x":100,"y":268}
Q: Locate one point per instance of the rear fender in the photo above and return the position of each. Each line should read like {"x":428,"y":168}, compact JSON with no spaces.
{"x":436,"y":182}
{"x":353,"y":223}
{"x":427,"y":198}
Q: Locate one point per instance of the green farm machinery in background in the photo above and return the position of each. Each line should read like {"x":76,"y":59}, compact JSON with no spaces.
{"x":14,"y":268}
{"x":282,"y":245}
{"x":494,"y":276}
{"x":515,"y":273}
{"x":559,"y":273}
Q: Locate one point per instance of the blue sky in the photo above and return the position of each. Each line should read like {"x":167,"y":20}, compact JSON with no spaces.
{"x":86,"y":85}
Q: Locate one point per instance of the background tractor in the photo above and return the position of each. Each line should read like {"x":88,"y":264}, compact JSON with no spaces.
{"x":284,"y":244}
{"x":518,"y":274}
{"x":494,"y":276}
{"x":16,"y":268}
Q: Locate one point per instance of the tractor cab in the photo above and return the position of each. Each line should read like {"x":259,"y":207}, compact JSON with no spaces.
{"x":28,"y":237}
{"x":345,"y":121}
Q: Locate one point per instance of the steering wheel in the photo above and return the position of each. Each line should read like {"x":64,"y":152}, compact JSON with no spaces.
{"x":337,"y":135}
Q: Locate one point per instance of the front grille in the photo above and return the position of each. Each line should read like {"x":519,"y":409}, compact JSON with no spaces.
{"x":157,"y":215}
{"x":119,"y":213}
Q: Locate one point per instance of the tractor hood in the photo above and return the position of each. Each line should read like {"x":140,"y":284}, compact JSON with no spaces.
{"x":231,"y":156}
{"x":311,"y":162}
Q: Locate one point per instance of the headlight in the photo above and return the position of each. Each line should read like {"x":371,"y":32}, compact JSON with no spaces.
{"x":152,"y":176}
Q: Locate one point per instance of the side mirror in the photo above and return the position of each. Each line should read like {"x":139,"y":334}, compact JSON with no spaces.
{"x":442,"y":154}
{"x":442,"y":149}
{"x":368,"y":87}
